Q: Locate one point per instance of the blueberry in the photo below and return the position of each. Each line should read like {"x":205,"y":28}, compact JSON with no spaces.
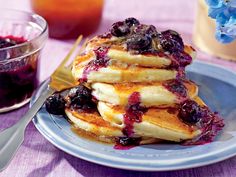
{"x":89,"y":107}
{"x":81,"y":91}
{"x":131,"y":21}
{"x":171,"y":41}
{"x":119,"y":29}
{"x":139,"y":42}
{"x":80,"y":98}
{"x":152,"y":31}
{"x":127,"y":141}
{"x":190,"y":112}
{"x":55,"y":104}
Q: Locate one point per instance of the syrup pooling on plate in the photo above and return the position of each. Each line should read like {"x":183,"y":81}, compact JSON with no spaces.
{"x":137,"y":75}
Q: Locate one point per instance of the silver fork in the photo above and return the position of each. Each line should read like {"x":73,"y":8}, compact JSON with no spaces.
{"x":12,"y":137}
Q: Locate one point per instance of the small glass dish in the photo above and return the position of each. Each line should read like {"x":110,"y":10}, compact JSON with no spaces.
{"x":22,"y":36}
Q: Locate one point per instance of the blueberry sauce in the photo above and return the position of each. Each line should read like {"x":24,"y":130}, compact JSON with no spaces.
{"x":209,"y":122}
{"x":176,"y":86}
{"x":8,"y":41}
{"x":55,"y":104}
{"x":105,"y":35}
{"x":125,"y":143}
{"x":171,"y":41}
{"x":18,"y":78}
{"x":145,"y":39}
{"x":80,"y":99}
{"x":119,"y":29}
{"x":182,"y":58}
{"x":101,"y":61}
{"x":133,"y":114}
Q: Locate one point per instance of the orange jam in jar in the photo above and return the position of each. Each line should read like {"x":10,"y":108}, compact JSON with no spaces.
{"x":69,"y":18}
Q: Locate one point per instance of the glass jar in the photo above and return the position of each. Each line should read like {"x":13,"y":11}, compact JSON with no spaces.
{"x":22,"y":36}
{"x":69,"y":18}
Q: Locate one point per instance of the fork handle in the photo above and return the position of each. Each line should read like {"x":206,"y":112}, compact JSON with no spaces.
{"x":24,"y":121}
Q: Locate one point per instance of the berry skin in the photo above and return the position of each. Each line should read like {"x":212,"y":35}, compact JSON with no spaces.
{"x":131,"y":21}
{"x":128,"y":141}
{"x":80,"y":98}
{"x":55,"y":104}
{"x":139,"y":42}
{"x":190,"y":112}
{"x":79,"y":95}
{"x":171,"y":41}
{"x":119,"y":29}
{"x":152,"y":31}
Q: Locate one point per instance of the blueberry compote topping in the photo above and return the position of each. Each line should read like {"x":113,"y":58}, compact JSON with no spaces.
{"x":80,"y":99}
{"x":176,"y":86}
{"x":119,"y":29}
{"x":133,"y":114}
{"x":139,"y":42}
{"x":101,"y":61}
{"x":9,"y":41}
{"x":209,"y":123}
{"x":171,"y":41}
{"x":145,"y":39}
{"x":190,"y":112}
{"x":77,"y":99}
{"x":131,"y":21}
{"x":124,"y":143}
{"x":55,"y":104}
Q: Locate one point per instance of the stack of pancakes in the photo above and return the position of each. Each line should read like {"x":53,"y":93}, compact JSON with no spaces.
{"x":138,"y":93}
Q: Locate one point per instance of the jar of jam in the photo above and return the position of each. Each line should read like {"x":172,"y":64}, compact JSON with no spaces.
{"x":22,"y":36}
{"x":69,"y":18}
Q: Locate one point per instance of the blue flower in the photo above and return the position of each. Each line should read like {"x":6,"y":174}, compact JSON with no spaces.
{"x":224,"y":12}
{"x":222,"y":37}
{"x":214,"y":3}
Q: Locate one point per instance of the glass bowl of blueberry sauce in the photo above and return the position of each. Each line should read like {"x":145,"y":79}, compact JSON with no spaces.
{"x":22,"y":36}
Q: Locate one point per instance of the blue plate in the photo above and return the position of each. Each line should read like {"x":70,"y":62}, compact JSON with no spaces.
{"x":217,"y":87}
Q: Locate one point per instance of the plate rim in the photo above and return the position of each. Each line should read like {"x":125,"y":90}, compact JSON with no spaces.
{"x":100,"y":161}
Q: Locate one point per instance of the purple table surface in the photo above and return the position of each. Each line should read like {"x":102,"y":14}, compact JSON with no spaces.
{"x":37,"y":157}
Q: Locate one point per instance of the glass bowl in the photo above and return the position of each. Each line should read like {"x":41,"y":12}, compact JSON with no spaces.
{"x":22,"y":36}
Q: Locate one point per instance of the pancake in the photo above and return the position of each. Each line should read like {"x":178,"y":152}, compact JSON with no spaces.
{"x":156,"y":122}
{"x":112,"y":74}
{"x":95,"y":127}
{"x":151,"y":94}
{"x":146,"y":60}
{"x":136,"y":74}
{"x":119,"y":52}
